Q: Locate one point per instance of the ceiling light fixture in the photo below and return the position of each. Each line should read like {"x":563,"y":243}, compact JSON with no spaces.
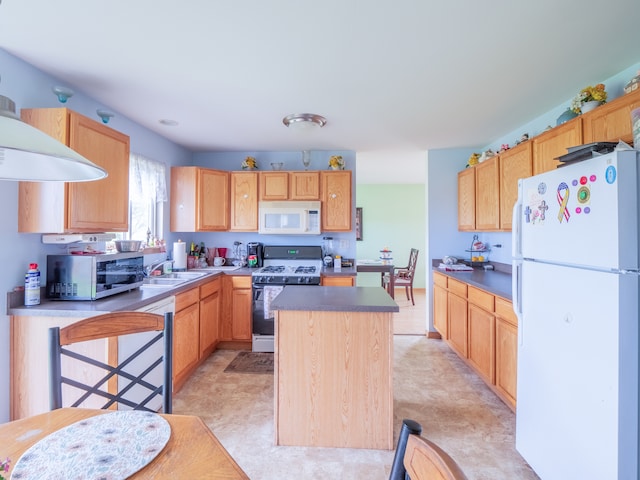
{"x":28,"y":154}
{"x":304,"y":121}
{"x":63,"y":93}
{"x":105,"y":115}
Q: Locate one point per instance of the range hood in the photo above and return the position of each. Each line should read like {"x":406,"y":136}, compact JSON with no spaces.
{"x":63,"y":238}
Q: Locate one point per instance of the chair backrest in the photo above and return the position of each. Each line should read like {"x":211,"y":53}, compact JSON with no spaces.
{"x":104,"y":378}
{"x":413,"y":261}
{"x":424,"y":460}
{"x":417,"y":458}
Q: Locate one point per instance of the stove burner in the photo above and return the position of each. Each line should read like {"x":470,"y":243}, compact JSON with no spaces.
{"x":273,"y":269}
{"x":306,"y":269}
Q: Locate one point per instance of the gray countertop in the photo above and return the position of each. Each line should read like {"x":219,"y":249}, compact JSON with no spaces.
{"x":496,"y":282}
{"x":334,"y":299}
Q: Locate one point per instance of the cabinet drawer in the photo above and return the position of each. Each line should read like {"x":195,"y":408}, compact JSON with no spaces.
{"x":459,"y":288}
{"x":504,"y":309}
{"x":241,"y":282}
{"x":184,"y":299}
{"x":440,"y":280}
{"x":209,"y":288}
{"x":481,"y":298}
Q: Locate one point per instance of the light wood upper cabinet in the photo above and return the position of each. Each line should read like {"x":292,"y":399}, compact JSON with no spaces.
{"x":611,"y":122}
{"x":199,"y":200}
{"x":554,"y":143}
{"x":515,"y":163}
{"x":96,"y":206}
{"x":336,"y":200}
{"x":488,"y":194}
{"x":304,"y":185}
{"x":244,"y":202}
{"x":274,"y":185}
{"x":467,"y":199}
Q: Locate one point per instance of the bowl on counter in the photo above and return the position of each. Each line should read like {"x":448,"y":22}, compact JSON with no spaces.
{"x":128,"y":245}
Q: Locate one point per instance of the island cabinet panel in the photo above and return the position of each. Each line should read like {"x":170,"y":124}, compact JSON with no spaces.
{"x":333,"y":381}
{"x":97,"y":206}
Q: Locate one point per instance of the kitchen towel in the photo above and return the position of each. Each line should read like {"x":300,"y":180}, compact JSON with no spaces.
{"x":269,"y":294}
{"x":179,"y":255}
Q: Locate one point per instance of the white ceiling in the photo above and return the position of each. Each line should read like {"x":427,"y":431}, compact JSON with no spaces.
{"x":389,"y":75}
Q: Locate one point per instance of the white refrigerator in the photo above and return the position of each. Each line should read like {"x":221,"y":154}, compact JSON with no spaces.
{"x":575,"y":291}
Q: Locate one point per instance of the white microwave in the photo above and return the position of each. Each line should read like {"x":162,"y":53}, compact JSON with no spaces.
{"x":289,"y":218}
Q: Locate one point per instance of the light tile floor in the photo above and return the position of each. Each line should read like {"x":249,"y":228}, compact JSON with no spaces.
{"x":431,"y":385}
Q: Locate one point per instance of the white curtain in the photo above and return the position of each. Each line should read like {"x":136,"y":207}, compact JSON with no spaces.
{"x":147,"y":180}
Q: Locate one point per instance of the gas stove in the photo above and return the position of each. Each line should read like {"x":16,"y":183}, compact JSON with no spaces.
{"x":290,"y":265}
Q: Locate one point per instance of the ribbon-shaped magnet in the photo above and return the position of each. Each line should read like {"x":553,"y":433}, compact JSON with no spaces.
{"x":563,"y":199}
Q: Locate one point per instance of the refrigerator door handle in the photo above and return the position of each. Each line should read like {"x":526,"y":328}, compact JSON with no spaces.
{"x":516,"y":292}
{"x":516,"y":225}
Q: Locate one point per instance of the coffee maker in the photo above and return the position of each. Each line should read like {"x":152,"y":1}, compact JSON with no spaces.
{"x":254,"y":255}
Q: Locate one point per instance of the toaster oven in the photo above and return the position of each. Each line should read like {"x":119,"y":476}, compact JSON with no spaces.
{"x":90,"y":277}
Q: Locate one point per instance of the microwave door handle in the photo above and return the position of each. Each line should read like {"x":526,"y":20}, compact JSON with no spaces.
{"x":305,"y":221}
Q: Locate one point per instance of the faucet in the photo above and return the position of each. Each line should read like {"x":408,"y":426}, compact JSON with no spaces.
{"x":154,"y":266}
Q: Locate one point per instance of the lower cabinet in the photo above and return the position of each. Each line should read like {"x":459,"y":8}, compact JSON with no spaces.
{"x":235,"y":323}
{"x":186,"y":331}
{"x":482,"y":329}
{"x":210,"y":301}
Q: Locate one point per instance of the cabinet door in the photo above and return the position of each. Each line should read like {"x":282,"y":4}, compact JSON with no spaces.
{"x":102,"y":205}
{"x":185,"y":342}
{"x":244,"y":202}
{"x":304,"y":185}
{"x":242,"y":314}
{"x":440,"y":311}
{"x":98,"y":206}
{"x":482,"y":342}
{"x":336,"y":201}
{"x":611,"y":122}
{"x":209,"y":318}
{"x":274,"y":186}
{"x":506,"y":350}
{"x":457,"y":330}
{"x":514,"y":164}
{"x":467,"y":199}
{"x":212,"y":203}
{"x":488,"y":194}
{"x":552,"y":144}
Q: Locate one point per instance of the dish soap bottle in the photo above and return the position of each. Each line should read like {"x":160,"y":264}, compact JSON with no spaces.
{"x":32,"y":286}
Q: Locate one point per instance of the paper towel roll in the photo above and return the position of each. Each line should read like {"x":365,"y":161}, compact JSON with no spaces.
{"x":179,"y":255}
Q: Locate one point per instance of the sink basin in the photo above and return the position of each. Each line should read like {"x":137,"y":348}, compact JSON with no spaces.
{"x":162,"y":280}
{"x":183,"y":275}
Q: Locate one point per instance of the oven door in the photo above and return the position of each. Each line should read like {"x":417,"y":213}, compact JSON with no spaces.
{"x":262,"y":316}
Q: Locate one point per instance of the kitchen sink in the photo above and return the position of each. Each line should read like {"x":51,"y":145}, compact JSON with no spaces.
{"x":162,"y":280}
{"x":183,"y":275}
{"x":172,"y":279}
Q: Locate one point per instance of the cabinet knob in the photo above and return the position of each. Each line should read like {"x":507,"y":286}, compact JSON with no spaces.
{"x":246,"y":195}
{"x":333,"y":195}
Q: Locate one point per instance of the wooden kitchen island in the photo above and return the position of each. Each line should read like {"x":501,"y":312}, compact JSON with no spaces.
{"x":334,"y":367}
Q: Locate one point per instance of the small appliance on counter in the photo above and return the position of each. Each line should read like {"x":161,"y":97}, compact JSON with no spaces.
{"x":89,"y":277}
{"x":254,"y":255}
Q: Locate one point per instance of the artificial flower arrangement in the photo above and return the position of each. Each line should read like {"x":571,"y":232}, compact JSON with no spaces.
{"x":336,"y":162}
{"x":4,"y":468}
{"x":589,"y":94}
{"x":249,"y":163}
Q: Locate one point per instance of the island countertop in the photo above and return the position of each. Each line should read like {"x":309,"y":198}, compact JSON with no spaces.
{"x":334,"y":299}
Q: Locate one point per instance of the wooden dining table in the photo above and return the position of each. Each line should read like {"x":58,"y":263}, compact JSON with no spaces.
{"x":382,"y":268}
{"x":192,"y":451}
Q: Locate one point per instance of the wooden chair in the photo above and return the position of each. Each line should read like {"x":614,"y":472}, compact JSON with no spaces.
{"x":128,"y":383}
{"x":417,"y":458}
{"x":403,"y":276}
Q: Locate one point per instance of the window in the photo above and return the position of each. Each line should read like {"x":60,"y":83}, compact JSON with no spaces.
{"x":147,"y":195}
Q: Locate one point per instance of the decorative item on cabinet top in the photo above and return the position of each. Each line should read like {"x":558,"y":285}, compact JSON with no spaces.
{"x":589,"y":94}
{"x":633,"y":84}
{"x":250,"y":163}
{"x":336,"y":162}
